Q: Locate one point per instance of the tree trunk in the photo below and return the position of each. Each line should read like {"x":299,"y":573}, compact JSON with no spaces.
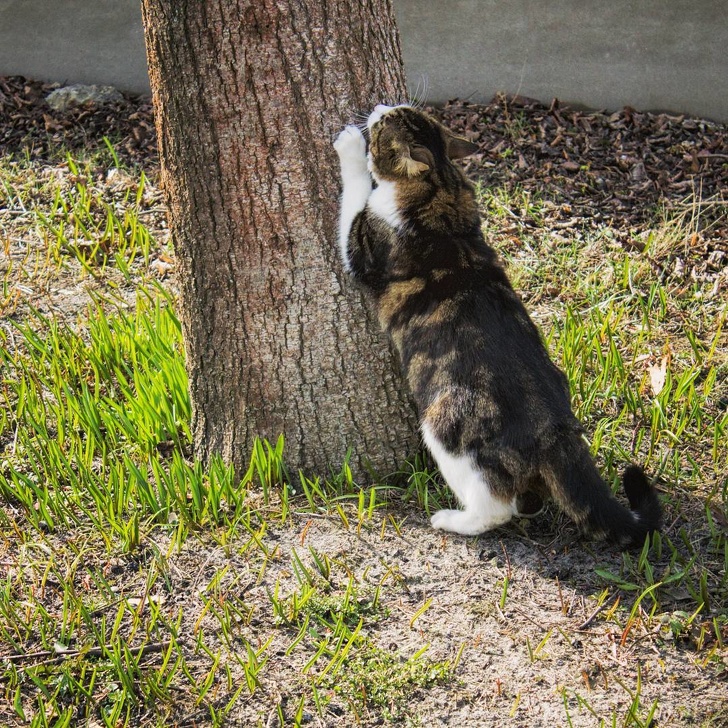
{"x":248,"y":97}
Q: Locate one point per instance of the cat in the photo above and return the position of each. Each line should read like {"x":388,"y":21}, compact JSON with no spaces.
{"x":495,"y":411}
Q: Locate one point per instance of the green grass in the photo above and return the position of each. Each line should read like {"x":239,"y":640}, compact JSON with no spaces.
{"x":86,"y":210}
{"x":94,"y":227}
{"x":140,"y":589}
{"x":96,"y":435}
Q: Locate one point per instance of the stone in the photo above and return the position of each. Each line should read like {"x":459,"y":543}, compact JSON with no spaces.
{"x":66,"y":97}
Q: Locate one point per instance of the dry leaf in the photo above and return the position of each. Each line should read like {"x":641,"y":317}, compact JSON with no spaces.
{"x":658,"y":372}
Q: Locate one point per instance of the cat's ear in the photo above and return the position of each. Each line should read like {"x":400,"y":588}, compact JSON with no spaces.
{"x":411,"y":163}
{"x":458,"y":147}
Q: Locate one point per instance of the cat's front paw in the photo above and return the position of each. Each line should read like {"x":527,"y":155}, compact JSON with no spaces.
{"x":351,"y":146}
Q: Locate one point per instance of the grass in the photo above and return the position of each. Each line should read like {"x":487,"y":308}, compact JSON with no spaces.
{"x":140,"y":590}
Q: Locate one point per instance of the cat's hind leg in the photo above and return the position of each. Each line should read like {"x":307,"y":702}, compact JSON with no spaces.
{"x":482,"y":510}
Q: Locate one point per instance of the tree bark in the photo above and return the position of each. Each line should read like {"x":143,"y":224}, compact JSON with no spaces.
{"x":248,"y":97}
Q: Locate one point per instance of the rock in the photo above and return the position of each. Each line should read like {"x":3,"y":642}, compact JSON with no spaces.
{"x":64,"y":98}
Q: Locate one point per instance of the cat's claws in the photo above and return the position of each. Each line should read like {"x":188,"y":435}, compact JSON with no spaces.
{"x":350,"y":144}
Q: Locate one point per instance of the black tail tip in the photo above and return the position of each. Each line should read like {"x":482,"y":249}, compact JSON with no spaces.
{"x":636,"y":486}
{"x":642,"y":496}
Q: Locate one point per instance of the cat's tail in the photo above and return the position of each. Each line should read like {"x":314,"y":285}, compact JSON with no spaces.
{"x":579,"y":489}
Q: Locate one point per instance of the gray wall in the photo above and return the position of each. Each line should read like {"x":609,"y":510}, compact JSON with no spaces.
{"x":662,"y":55}
{"x":78,"y":41}
{"x":651,"y":54}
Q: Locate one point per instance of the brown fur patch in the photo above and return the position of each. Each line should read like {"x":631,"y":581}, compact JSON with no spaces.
{"x":447,"y":312}
{"x":410,"y":167}
{"x":396,"y":296}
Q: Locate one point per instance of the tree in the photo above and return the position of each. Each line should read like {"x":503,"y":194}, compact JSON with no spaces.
{"x":248,"y":96}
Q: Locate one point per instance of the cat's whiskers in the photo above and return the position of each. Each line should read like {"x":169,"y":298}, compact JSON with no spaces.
{"x":418,"y":99}
{"x":360,"y":122}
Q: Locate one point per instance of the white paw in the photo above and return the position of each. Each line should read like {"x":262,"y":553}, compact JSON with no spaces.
{"x":350,"y":145}
{"x":456,"y":522}
{"x":466,"y":523}
{"x":442,"y":519}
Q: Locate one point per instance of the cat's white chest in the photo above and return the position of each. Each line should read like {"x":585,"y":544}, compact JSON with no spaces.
{"x":383,"y":203}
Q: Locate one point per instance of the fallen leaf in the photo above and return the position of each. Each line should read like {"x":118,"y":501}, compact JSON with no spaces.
{"x":658,"y":372}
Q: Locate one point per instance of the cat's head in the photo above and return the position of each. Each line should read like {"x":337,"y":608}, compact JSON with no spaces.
{"x":406,"y":143}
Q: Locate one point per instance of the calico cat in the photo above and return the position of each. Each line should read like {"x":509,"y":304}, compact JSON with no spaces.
{"x":495,"y":411}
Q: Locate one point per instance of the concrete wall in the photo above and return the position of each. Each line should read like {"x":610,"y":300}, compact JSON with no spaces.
{"x":74,"y":41}
{"x":651,"y":54}
{"x":665,"y":55}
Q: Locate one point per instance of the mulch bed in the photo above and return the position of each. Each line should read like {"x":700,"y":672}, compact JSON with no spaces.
{"x":28,"y":126}
{"x":607,"y":166}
